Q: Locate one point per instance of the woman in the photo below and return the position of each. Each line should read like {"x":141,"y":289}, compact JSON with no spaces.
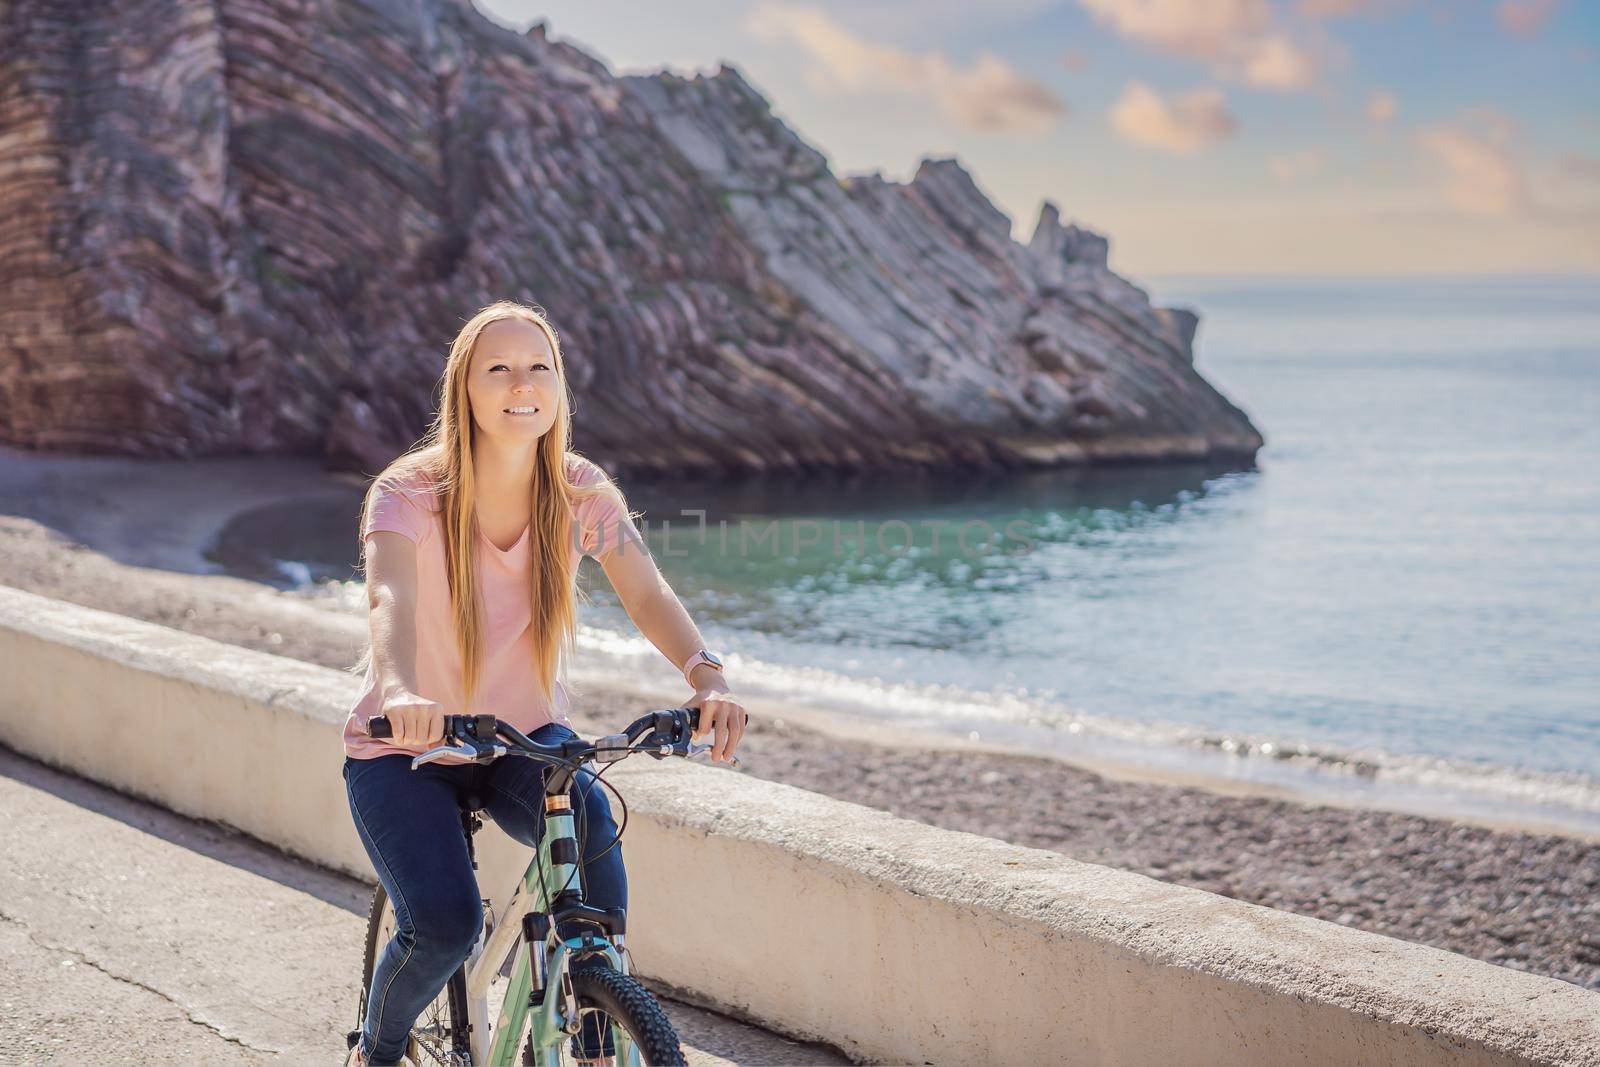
{"x":471,"y":544}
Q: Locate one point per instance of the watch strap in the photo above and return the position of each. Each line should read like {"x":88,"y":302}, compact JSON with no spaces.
{"x":703,"y":656}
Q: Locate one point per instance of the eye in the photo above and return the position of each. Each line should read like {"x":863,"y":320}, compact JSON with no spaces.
{"x":498,"y":366}
{"x":541,"y":366}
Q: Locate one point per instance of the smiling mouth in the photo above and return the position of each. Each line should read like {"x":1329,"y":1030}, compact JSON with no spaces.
{"x":520,"y":411}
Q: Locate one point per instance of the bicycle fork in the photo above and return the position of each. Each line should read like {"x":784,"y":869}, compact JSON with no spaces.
{"x":540,"y":983}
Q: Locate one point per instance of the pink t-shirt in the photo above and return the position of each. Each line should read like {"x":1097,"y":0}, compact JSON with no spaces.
{"x":508,"y":685}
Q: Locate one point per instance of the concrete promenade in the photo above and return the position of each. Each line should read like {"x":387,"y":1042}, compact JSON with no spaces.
{"x":895,"y":941}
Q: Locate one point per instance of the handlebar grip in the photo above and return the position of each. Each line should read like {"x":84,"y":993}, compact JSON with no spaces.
{"x":379,"y":726}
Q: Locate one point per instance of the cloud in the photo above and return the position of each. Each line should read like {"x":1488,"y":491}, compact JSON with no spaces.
{"x":1182,"y":126}
{"x":1238,"y":39}
{"x":885,"y":18}
{"x":1524,"y":18}
{"x":1485,"y":170}
{"x":1481,"y":174}
{"x":1292,"y":168}
{"x":1331,"y":9}
{"x":1323,"y":9}
{"x":987,"y":95}
{"x":1275,"y":62}
{"x":991,"y":96}
{"x":1382,"y":107}
{"x":1581,"y":167}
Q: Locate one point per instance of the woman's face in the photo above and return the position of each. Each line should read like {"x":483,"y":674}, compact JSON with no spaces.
{"x":512,"y":382}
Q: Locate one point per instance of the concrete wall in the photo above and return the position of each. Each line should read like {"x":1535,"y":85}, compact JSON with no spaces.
{"x":895,"y":941}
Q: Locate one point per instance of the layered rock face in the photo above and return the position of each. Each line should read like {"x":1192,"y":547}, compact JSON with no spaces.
{"x":255,"y":226}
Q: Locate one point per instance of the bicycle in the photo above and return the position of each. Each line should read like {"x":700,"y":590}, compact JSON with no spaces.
{"x":600,"y":1003}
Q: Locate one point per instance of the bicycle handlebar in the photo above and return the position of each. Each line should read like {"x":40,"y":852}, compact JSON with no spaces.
{"x":484,"y":737}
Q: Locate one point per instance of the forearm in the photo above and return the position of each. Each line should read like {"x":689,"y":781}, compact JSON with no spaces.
{"x":664,"y":622}
{"x":393,"y":622}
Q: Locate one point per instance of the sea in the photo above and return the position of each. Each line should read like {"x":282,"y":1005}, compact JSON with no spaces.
{"x":1396,"y":605}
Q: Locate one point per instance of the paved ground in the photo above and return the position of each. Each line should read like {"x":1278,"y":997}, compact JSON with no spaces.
{"x":131,"y":935}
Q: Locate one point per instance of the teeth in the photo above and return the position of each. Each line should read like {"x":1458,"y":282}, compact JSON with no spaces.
{"x":522,"y":411}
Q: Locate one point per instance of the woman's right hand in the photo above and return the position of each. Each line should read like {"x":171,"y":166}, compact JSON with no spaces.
{"x":416,"y":721}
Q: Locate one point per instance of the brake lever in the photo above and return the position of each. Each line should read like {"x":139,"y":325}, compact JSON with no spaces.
{"x":695,"y":750}
{"x":450,"y":750}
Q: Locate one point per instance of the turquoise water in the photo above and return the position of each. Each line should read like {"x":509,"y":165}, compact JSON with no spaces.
{"x":1403,"y":593}
{"x":1413,"y":568}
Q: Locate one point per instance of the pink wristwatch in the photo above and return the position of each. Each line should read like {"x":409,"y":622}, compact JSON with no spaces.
{"x":705,"y":656}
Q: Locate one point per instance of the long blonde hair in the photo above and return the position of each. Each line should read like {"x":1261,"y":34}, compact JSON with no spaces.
{"x":444,"y":458}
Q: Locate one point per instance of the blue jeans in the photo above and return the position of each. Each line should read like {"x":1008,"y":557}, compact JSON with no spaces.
{"x":410,"y":823}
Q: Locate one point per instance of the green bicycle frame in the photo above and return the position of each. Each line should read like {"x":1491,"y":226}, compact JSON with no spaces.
{"x":556,"y":1008}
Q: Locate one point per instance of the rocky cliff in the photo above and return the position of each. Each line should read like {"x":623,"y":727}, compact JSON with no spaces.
{"x":254,"y":226}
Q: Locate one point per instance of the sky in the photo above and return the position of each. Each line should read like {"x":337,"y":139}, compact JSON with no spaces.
{"x":1366,"y":137}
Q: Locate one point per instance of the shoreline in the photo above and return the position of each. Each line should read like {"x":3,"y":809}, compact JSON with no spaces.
{"x":845,"y":728}
{"x":177,"y":516}
{"x":1442,"y":789}
{"x":1508,"y":895}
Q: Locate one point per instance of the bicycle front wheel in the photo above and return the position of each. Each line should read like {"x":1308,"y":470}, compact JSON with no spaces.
{"x":622,"y":1022}
{"x":439,"y":1036}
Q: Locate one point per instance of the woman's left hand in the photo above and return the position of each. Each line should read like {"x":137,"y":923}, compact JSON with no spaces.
{"x":722,"y":713}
